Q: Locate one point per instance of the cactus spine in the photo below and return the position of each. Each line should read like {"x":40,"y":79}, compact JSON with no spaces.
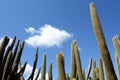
{"x":60,"y":63}
{"x":110,"y":73}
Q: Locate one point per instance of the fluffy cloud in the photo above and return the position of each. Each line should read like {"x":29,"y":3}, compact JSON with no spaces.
{"x":28,"y":71}
{"x":46,"y":36}
{"x":31,"y":30}
{"x":10,"y":41}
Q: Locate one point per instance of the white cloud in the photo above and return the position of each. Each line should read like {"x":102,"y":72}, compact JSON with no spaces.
{"x":28,"y":71}
{"x":10,"y":41}
{"x":31,"y":30}
{"x":46,"y":36}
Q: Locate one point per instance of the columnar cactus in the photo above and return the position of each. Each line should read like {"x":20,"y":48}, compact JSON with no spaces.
{"x":101,"y":72}
{"x":7,"y":67}
{"x":89,"y":69}
{"x":83,"y":73}
{"x":73,"y":64}
{"x":67,"y":76}
{"x":2,"y":50}
{"x":34,"y":66}
{"x":94,"y":74}
{"x":97,"y":72}
{"x":93,"y":70}
{"x":43,"y":74}
{"x":78,"y":63}
{"x":110,"y":73}
{"x":50,"y":72}
{"x":12,"y":69}
{"x":60,"y":63}
{"x":36,"y":78}
{"x":116,"y":43}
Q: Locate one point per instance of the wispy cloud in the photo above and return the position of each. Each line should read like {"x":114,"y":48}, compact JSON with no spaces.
{"x":46,"y":36}
{"x":31,"y":30}
{"x":28,"y":71}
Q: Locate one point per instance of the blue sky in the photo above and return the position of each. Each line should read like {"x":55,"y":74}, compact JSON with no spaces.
{"x":71,"y":19}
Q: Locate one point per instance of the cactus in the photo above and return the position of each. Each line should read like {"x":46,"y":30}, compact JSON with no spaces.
{"x":67,"y":76}
{"x":38,"y":74}
{"x":60,"y":63}
{"x":110,"y":73}
{"x":94,"y":64}
{"x":83,"y":73}
{"x":73,"y":64}
{"x":34,"y":66}
{"x":7,"y":68}
{"x":94,"y":74}
{"x":50,"y":72}
{"x":116,"y":43}
{"x":97,"y":72}
{"x":17,"y":59}
{"x":43,"y":67}
{"x":15,"y":51}
{"x":20,"y":73}
{"x":89,"y":69}
{"x":2,"y":49}
{"x":93,"y":70}
{"x":101,"y":72}
{"x":22,"y":69}
{"x":12,"y":69}
{"x":78,"y":63}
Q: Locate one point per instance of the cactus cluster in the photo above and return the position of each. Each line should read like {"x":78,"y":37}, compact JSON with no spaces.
{"x":11,"y":69}
{"x":10,"y":62}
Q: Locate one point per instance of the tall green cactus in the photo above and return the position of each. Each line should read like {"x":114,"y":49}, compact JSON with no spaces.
{"x":19,"y":75}
{"x":43,"y":74}
{"x":93,"y":70}
{"x":101,"y":71}
{"x":34,"y":66}
{"x":83,"y":73}
{"x":18,"y":56}
{"x":73,"y":64}
{"x":36,"y":78}
{"x":50,"y":72}
{"x":94,"y":74}
{"x":22,"y":69}
{"x":9,"y":48}
{"x":2,"y":50}
{"x":78,"y":63}
{"x":15,"y":51}
{"x":7,"y":67}
{"x":67,"y":76}
{"x":116,"y":43}
{"x":110,"y":73}
{"x":60,"y":64}
{"x":89,"y":69}
{"x":97,"y":72}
